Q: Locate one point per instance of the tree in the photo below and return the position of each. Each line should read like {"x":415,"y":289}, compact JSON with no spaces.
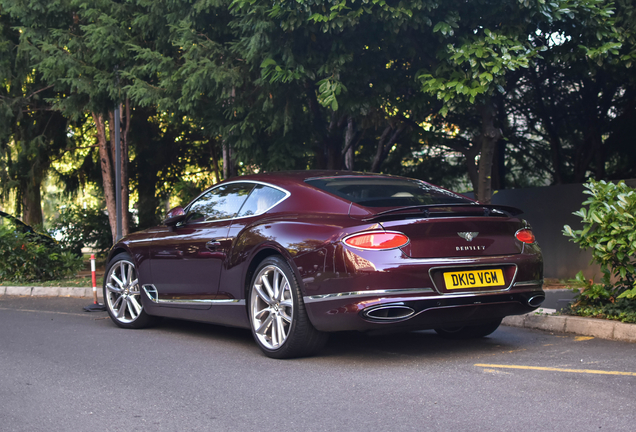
{"x":480,"y":55}
{"x":223,"y":87}
{"x":66,"y":42}
{"x":577,"y":104}
{"x":31,"y":133}
{"x":329,"y":73}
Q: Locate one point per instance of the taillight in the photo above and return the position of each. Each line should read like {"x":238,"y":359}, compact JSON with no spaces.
{"x":378,"y":240}
{"x":525,"y":235}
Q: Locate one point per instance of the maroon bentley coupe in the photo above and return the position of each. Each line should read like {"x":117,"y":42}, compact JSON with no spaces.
{"x":296,"y":255}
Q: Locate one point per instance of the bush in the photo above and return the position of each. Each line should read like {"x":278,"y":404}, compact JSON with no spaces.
{"x":25,"y":257}
{"x":80,"y":228}
{"x":609,"y":229}
{"x":597,"y":301}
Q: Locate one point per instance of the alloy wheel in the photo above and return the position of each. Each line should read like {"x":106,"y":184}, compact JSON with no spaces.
{"x":272,"y":307}
{"x":122,"y":292}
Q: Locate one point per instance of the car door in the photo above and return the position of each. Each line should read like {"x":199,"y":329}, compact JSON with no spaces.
{"x":186,"y":261}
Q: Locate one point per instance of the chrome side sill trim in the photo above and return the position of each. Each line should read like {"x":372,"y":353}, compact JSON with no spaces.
{"x":528,"y":283}
{"x":390,"y":299}
{"x":374,"y":293}
{"x":200,"y":301}
{"x":153,"y":295}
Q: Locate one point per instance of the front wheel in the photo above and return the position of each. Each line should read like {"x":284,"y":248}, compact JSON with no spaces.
{"x":470,"y":331}
{"x":277,"y":313}
{"x":122,"y":294}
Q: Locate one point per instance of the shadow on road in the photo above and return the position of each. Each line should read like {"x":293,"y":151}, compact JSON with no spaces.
{"x":346,"y":345}
{"x":355,"y":345}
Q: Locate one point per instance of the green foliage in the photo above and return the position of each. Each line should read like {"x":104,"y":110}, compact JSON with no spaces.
{"x":598,"y":301}
{"x":31,"y":133}
{"x":479,"y":52}
{"x":80,"y":228}
{"x":297,"y":84}
{"x":25,"y":257}
{"x":476,"y":67}
{"x":590,"y":293}
{"x":609,"y":230}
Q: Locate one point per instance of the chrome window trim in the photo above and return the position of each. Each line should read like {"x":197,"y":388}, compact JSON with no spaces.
{"x":373,"y":293}
{"x":153,"y":294}
{"x":286,"y":192}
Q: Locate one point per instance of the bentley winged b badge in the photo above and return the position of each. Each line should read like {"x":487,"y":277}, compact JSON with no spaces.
{"x":468,"y":236}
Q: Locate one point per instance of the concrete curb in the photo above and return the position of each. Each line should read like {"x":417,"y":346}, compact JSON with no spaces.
{"x":600,"y":328}
{"x":603,"y":329}
{"x":38,"y":291}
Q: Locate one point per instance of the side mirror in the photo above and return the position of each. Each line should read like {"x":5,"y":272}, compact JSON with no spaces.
{"x":174,"y":216}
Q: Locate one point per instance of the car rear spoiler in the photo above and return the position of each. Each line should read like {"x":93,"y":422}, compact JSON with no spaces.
{"x":436,"y":210}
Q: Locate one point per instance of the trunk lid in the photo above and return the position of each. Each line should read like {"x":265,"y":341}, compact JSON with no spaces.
{"x":446,"y":237}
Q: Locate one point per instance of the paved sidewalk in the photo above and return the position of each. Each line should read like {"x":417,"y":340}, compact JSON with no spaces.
{"x":542,"y":320}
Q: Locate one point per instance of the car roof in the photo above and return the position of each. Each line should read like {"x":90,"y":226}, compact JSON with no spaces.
{"x":299,"y":176}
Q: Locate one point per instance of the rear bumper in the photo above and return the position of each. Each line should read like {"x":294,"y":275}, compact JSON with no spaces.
{"x":342,"y":297}
{"x":403,"y":310}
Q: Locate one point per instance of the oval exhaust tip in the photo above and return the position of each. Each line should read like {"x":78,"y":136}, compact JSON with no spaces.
{"x":389,"y":313}
{"x":535,"y":301}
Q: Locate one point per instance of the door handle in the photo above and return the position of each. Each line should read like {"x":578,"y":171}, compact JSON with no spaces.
{"x":212,"y":245}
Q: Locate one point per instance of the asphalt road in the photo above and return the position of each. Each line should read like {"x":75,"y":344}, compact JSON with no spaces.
{"x":64,"y":369}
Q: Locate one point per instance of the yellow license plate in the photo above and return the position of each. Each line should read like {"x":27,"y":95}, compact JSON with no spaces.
{"x":474,"y":279}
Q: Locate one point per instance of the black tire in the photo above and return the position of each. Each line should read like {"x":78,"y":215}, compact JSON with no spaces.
{"x":469,"y":332}
{"x":277,"y":314}
{"x":122,"y":294}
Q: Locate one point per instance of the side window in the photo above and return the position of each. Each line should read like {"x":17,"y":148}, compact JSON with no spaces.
{"x":222,"y":202}
{"x":260,"y":200}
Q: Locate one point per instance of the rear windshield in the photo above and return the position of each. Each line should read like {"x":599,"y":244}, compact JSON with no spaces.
{"x":386,"y":192}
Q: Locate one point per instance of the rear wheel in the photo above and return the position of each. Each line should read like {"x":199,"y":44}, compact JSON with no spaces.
{"x":122,"y":294}
{"x":277,"y":313}
{"x":469,"y":332}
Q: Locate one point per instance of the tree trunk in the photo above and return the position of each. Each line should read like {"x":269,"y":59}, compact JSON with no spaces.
{"x":123,"y":151}
{"x":318,"y":124}
{"x":229,"y":165}
{"x":148,"y":201}
{"x":384,"y":146}
{"x":32,"y":202}
{"x":226,"y":161}
{"x":471,"y":164}
{"x":148,"y":163}
{"x":590,"y":149}
{"x":333,"y":144}
{"x":108,"y":178}
{"x":550,"y":127}
{"x":349,"y":150}
{"x":499,"y":164}
{"x":490,"y":136}
{"x":215,"y":161}
{"x":125,"y":179}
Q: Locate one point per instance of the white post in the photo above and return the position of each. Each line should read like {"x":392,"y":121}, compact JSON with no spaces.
{"x":94,"y":279}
